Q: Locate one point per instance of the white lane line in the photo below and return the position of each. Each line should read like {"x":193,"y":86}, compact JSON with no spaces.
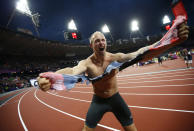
{"x":86,"y":92}
{"x":155,"y":86}
{"x":79,"y":118}
{"x":120,"y":83}
{"x":142,"y":94}
{"x":164,"y":109}
{"x":21,"y":120}
{"x":157,"y":72}
{"x":10,"y":92}
{"x":11,"y":98}
{"x":120,"y":78}
{"x":152,"y":75}
{"x":156,"y":81}
{"x":70,"y":98}
{"x":155,"y":77}
{"x":127,"y":87}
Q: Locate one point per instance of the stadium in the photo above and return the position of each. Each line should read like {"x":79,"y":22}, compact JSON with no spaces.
{"x":159,"y":95}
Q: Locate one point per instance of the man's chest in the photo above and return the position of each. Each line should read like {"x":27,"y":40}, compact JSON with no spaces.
{"x":95,"y":70}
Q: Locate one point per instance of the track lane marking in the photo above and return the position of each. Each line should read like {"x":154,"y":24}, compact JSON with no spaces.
{"x":148,"y":73}
{"x":155,"y":77}
{"x":79,"y":118}
{"x":156,"y":72}
{"x":19,"y":114}
{"x":152,"y":75}
{"x":146,"y":86}
{"x":141,"y":94}
{"x":157,"y":86}
{"x":163,"y":109}
{"x":152,"y":108}
{"x":9,"y":93}
{"x":119,"y":83}
{"x":11,"y":98}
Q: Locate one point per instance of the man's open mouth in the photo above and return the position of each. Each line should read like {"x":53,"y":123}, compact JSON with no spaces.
{"x":101,"y":49}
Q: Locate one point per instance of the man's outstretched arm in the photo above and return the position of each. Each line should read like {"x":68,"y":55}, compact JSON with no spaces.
{"x":45,"y":82}
{"x":176,"y":35}
{"x":76,"y":70}
{"x":153,"y":49}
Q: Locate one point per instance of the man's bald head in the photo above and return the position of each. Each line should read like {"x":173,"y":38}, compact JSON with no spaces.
{"x":93,"y":36}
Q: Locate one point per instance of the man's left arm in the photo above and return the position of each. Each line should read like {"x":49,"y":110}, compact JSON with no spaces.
{"x":182,"y":34}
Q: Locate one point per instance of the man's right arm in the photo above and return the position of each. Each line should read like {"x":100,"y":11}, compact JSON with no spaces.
{"x":76,"y":70}
{"x":45,"y":83}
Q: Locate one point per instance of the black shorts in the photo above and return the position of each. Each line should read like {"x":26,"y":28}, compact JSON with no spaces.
{"x":114,"y":104}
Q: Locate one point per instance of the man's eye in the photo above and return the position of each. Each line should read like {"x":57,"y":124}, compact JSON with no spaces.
{"x":97,"y":40}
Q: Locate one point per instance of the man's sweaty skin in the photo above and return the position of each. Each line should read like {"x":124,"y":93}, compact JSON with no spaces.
{"x":96,"y":64}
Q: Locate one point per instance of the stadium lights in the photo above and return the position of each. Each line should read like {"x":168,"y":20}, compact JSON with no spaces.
{"x":22,"y":6}
{"x":135,"y":29}
{"x":134,"y":25}
{"x":72,"y":26}
{"x":105,"y":29}
{"x":166,"y":19}
{"x":166,"y":23}
{"x":72,"y":33}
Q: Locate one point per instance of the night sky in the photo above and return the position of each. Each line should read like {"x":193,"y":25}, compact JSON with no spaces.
{"x":91,"y":15}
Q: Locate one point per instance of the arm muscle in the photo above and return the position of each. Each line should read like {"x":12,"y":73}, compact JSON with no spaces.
{"x":76,"y":70}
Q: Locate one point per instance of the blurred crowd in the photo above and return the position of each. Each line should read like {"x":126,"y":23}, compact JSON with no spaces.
{"x":15,"y":72}
{"x":183,"y":54}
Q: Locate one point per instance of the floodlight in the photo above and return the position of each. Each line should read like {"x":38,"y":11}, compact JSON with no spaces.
{"x":72,"y":26}
{"x":166,"y":19}
{"x":22,"y":6}
{"x":134,"y":25}
{"x":105,"y":29}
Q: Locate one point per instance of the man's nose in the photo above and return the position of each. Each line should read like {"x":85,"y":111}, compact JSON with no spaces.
{"x":101,"y":42}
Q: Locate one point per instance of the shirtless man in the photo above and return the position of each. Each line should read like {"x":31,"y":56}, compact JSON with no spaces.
{"x":106,"y":96}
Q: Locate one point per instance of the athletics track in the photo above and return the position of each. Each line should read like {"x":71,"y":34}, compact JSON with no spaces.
{"x":161,"y":98}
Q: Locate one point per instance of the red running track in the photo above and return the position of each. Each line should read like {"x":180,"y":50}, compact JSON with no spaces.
{"x":161,"y":98}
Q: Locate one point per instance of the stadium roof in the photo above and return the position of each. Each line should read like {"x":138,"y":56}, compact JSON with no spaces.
{"x":91,"y":15}
{"x":20,"y":44}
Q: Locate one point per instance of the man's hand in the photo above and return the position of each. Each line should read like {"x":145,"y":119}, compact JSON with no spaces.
{"x":44,"y":83}
{"x":183,"y":32}
{"x":51,"y":80}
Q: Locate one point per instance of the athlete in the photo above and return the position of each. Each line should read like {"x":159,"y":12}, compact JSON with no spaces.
{"x":188,"y":58}
{"x":106,"y":96}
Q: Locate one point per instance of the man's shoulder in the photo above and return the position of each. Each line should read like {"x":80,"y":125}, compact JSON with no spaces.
{"x":113,"y":56}
{"x":109,"y":54}
{"x":87,"y":60}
